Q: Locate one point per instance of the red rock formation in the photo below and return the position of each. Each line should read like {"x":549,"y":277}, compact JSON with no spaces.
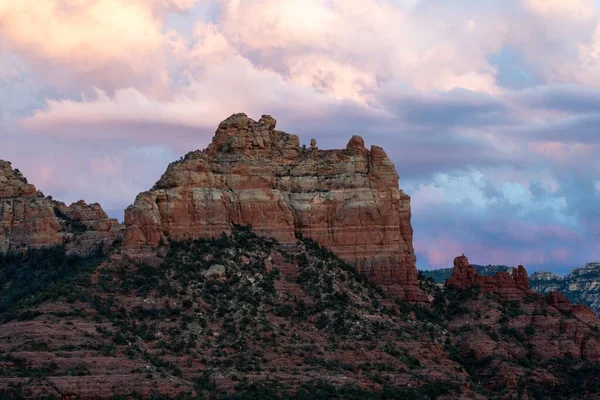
{"x":512,"y":286}
{"x":29,"y":219}
{"x":347,"y":200}
{"x":509,"y":285}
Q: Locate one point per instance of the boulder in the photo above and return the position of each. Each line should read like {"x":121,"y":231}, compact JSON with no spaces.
{"x":215,"y":271}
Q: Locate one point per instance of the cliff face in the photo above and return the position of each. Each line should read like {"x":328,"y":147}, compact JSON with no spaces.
{"x":582,"y":285}
{"x":251,"y":174}
{"x":28,"y":219}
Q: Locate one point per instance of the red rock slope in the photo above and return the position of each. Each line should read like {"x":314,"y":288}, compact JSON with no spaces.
{"x":348,"y":200}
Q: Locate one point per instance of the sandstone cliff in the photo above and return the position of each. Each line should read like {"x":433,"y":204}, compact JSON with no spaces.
{"x":252,"y":174}
{"x":28,"y":219}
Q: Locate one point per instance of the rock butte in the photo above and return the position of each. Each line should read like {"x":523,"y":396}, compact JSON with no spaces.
{"x":511,"y":286}
{"x":252,"y":174}
{"x":506,"y":284}
{"x":29,"y":219}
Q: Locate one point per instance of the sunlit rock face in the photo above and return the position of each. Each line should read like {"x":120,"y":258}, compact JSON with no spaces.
{"x":252,"y":174}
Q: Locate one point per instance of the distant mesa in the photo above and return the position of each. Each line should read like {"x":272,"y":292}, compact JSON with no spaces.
{"x":580,"y":286}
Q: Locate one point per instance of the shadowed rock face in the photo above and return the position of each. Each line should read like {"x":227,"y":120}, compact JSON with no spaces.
{"x":348,"y":200}
{"x":28,"y":219}
{"x":509,"y":285}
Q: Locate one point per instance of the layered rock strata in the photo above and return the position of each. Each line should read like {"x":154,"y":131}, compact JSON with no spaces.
{"x":28,"y":219}
{"x":252,"y":174}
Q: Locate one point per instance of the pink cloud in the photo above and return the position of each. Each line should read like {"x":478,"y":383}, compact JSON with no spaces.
{"x":101,"y":42}
{"x":573,"y":9}
{"x":562,"y":254}
{"x":562,"y":152}
{"x":353,"y":46}
{"x":439,"y":251}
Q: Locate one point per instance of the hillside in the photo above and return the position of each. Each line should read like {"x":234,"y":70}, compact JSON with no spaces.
{"x":238,"y":312}
{"x":244,"y":313}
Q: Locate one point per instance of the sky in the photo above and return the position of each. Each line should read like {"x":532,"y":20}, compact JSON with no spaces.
{"x":490,"y":110}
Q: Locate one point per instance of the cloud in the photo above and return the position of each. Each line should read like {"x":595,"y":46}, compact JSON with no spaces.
{"x":565,"y":99}
{"x":104,"y":173}
{"x":107,"y":43}
{"x":219,"y":89}
{"x":575,"y":10}
{"x":508,"y":223}
{"x":455,"y":107}
{"x":356,"y":46}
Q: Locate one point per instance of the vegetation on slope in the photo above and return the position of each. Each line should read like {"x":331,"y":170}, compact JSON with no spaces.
{"x":30,"y":278}
{"x":244,"y":317}
{"x":277,"y":321}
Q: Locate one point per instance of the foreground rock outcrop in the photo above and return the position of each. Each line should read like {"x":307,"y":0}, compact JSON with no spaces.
{"x":517,"y":341}
{"x":28,"y":219}
{"x":252,"y":174}
{"x":242,"y":314}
